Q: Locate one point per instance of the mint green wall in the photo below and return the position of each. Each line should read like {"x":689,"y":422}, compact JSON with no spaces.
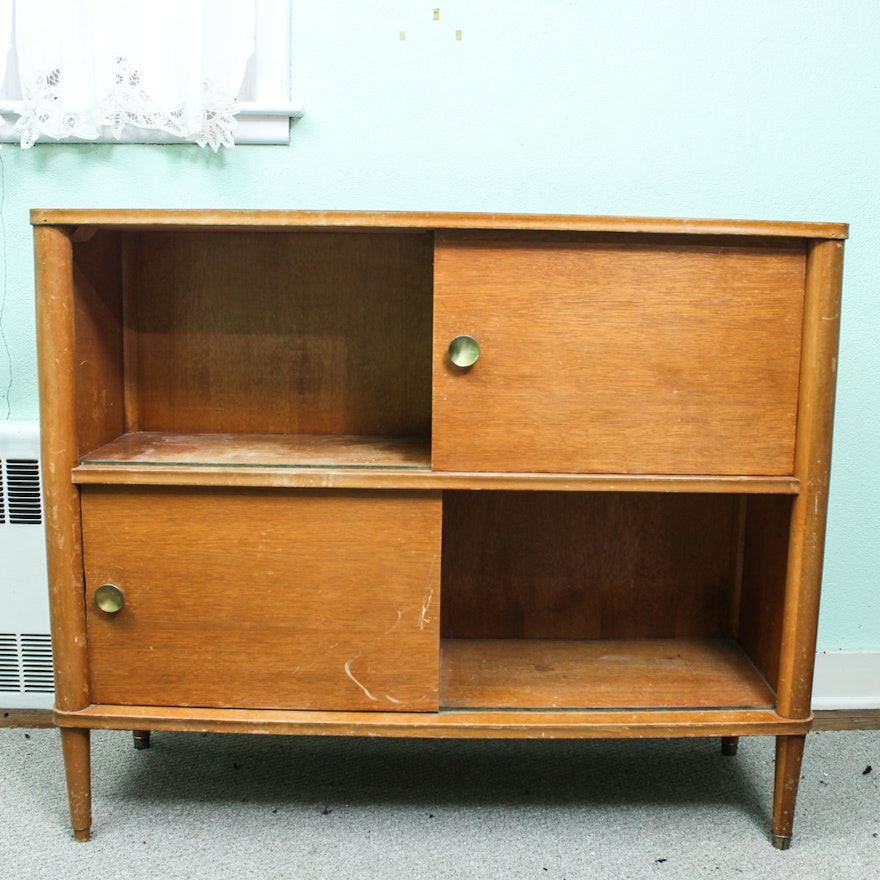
{"x":766,"y":109}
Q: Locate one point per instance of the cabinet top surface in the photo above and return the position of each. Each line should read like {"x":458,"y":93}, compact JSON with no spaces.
{"x":427,"y":221}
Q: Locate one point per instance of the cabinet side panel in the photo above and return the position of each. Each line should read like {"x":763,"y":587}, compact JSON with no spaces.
{"x":813,"y":469}
{"x":282,"y":332}
{"x":97,"y":290}
{"x":765,"y":559}
{"x":262,"y":599}
{"x":56,"y":348}
{"x":543,"y":565}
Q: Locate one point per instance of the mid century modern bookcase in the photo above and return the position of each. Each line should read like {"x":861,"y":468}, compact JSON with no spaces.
{"x":435,"y":475}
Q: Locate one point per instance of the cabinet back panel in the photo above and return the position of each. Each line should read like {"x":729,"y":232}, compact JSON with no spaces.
{"x":618,"y":355}
{"x":544,"y":565}
{"x":293,"y":332}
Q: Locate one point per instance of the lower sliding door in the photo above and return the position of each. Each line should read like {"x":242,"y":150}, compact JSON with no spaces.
{"x":263,"y":598}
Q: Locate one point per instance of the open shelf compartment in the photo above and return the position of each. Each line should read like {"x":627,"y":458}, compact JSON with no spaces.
{"x":612,"y":600}
{"x":230,"y":346}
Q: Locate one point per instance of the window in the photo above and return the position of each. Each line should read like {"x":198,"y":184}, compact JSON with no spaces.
{"x":163,"y":98}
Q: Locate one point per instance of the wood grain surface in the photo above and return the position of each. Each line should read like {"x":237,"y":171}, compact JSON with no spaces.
{"x":279,"y":333}
{"x":604,"y":674}
{"x":549,"y":565}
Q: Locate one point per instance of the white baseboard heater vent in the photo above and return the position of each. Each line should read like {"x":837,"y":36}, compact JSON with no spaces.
{"x":26,"y":673}
{"x":26,"y":664}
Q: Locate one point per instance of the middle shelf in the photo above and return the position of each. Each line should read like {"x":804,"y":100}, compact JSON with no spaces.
{"x":162,"y":449}
{"x":352,"y":461}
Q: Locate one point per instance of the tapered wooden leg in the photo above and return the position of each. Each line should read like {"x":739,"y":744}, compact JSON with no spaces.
{"x":789,"y":755}
{"x":75,"y":747}
{"x":141,"y":739}
{"x":729,"y":745}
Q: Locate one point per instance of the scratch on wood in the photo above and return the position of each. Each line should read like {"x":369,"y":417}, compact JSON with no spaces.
{"x":348,"y":663}
{"x":348,"y":672}
{"x":423,"y":616}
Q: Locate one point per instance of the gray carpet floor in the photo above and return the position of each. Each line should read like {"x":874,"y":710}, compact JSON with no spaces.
{"x":228,"y":806}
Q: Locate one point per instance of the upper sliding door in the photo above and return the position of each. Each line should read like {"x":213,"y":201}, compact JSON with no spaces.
{"x":627,"y":353}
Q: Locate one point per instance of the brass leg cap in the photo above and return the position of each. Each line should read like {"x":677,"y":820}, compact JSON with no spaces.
{"x":81,"y":835}
{"x":781,"y":841}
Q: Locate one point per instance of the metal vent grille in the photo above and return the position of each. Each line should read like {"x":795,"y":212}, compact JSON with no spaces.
{"x":10,"y":664}
{"x":36,"y":663}
{"x":21,"y":498}
{"x":26,"y":664}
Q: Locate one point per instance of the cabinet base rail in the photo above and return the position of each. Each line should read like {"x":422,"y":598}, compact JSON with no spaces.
{"x":451,"y":723}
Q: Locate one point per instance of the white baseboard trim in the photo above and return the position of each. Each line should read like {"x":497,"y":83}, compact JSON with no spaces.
{"x":847,"y":680}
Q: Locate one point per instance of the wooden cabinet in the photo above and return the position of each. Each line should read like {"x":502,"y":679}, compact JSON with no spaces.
{"x":435,"y":475}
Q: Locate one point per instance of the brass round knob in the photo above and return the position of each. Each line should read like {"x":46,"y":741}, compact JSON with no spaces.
{"x":109,"y":598}
{"x":464,"y":351}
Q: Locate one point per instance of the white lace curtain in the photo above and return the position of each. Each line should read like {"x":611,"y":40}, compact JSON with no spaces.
{"x":88,"y":68}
